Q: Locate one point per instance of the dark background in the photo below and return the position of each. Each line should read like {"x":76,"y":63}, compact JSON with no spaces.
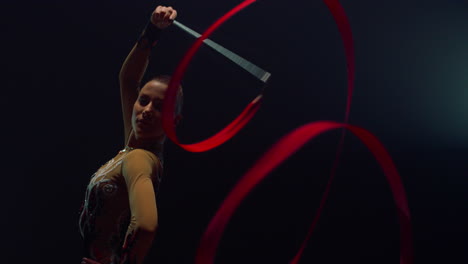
{"x":62,"y":120}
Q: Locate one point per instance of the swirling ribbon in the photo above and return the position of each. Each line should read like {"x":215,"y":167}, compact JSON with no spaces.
{"x":170,"y":97}
{"x":285,"y":147}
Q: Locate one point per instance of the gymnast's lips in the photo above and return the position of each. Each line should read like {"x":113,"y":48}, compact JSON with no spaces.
{"x":144,"y":123}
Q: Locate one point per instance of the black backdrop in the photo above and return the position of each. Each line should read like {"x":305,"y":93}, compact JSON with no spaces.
{"x":60,"y":104}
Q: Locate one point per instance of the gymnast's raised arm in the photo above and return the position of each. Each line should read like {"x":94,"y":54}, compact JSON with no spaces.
{"x":135,"y":64}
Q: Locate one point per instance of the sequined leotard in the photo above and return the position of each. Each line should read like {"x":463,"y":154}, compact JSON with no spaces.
{"x":118,"y":218}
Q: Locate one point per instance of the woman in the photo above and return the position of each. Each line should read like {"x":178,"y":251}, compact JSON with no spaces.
{"x":119,"y":215}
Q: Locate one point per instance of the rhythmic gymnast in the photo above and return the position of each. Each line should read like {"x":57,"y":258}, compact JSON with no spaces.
{"x":119,"y":216}
{"x":127,"y":183}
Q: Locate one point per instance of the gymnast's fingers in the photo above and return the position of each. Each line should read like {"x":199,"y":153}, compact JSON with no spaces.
{"x":173,"y":15}
{"x":167,"y":13}
{"x":157,"y":13}
{"x":163,"y":16}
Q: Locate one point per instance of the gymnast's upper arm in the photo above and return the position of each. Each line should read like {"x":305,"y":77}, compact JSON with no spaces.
{"x":140,"y":169}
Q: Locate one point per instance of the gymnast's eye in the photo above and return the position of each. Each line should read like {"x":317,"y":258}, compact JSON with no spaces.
{"x":143,"y":100}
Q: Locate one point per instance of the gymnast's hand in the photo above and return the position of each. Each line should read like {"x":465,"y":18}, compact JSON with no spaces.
{"x":163,"y":16}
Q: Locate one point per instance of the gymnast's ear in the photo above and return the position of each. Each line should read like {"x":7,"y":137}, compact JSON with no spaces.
{"x":177,"y":119}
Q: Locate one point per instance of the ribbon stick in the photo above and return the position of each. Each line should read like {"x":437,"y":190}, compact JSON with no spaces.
{"x":253,"y":69}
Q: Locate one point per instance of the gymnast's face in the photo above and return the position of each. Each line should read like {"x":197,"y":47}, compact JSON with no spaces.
{"x":146,"y":117}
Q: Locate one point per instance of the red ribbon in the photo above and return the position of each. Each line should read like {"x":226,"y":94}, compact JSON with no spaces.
{"x":285,"y":147}
{"x":170,"y":97}
{"x":346,"y":35}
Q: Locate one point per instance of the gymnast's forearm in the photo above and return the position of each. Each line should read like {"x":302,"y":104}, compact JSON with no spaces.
{"x":137,"y":245}
{"x":135,"y":64}
{"x":144,"y":214}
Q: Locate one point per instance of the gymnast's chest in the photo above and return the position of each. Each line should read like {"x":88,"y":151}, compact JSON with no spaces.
{"x":106,"y":193}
